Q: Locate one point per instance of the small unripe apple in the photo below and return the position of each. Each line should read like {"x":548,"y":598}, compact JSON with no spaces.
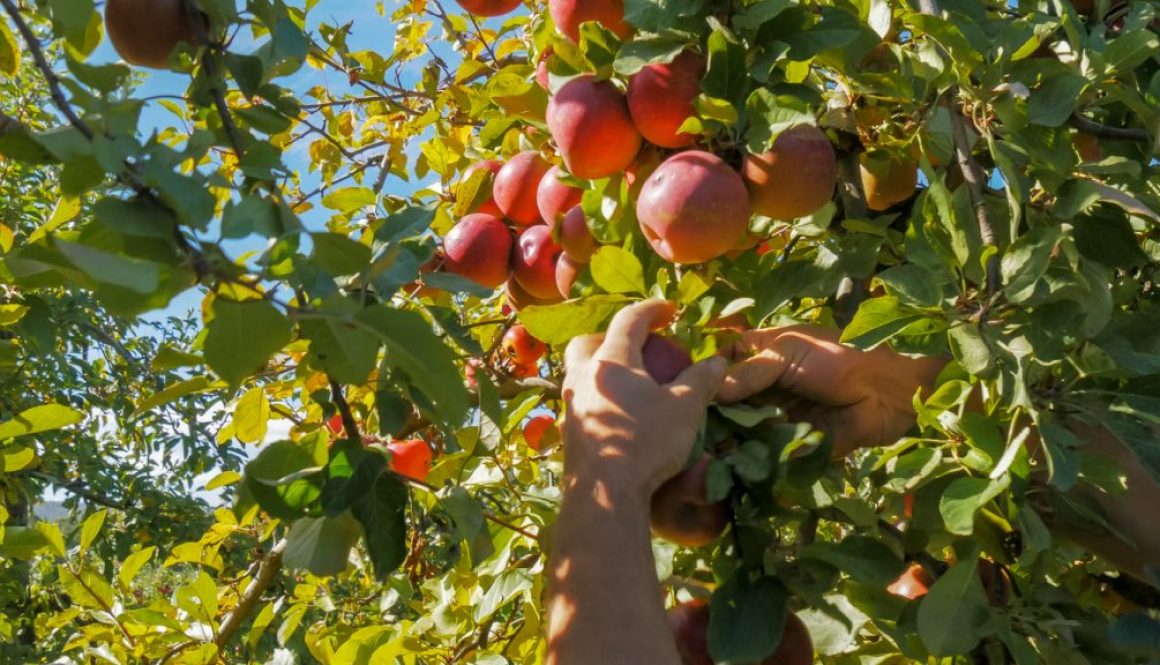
{"x":680,"y":512}
{"x":661,"y":97}
{"x":146,"y":32}
{"x":795,"y":177}
{"x":914,"y":583}
{"x":536,"y":428}
{"x":575,"y":237}
{"x":478,"y":248}
{"x":554,"y":198}
{"x":521,"y":347}
{"x":489,"y":7}
{"x":887,"y":179}
{"x":489,"y":206}
{"x":411,"y":459}
{"x":569,"y":14}
{"x":516,"y":187}
{"x":534,"y":261}
{"x":567,"y":272}
{"x":592,"y":128}
{"x":694,"y":208}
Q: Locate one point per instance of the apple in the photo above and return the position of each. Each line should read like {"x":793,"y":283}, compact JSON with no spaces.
{"x":567,"y":272}
{"x":335,"y":424}
{"x":664,"y":359}
{"x":693,"y":208}
{"x":569,"y":14}
{"x":543,"y":76}
{"x":793,"y":178}
{"x":637,"y":173}
{"x":521,"y":347}
{"x":537,"y":428}
{"x":1088,"y":146}
{"x":533,"y":261}
{"x":489,"y":7}
{"x":914,"y":583}
{"x":516,"y":187}
{"x":689,"y":623}
{"x":661,"y":96}
{"x":517,"y":297}
{"x":681,"y":514}
{"x":478,"y":248}
{"x":146,"y":32}
{"x":470,"y":368}
{"x":554,"y":198}
{"x":592,"y":128}
{"x":575,"y":237}
{"x":411,"y":459}
{"x":887,"y":179}
{"x":489,"y":206}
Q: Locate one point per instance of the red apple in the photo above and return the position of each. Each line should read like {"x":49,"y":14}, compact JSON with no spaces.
{"x":534,"y":261}
{"x":411,"y":458}
{"x":569,"y":14}
{"x":575,"y":237}
{"x":795,"y":177}
{"x":489,"y":206}
{"x":543,"y":76}
{"x":554,"y":198}
{"x":914,"y":583}
{"x":567,"y":272}
{"x":335,"y":424}
{"x":887,"y":179}
{"x":516,"y":186}
{"x":519,"y":298}
{"x":680,"y":512}
{"x":664,"y":359}
{"x":592,"y":128}
{"x":521,"y":347}
{"x":661,"y":96}
{"x":478,"y":248}
{"x":694,"y":208}
{"x":689,"y":623}
{"x":489,"y":7}
{"x":536,"y":428}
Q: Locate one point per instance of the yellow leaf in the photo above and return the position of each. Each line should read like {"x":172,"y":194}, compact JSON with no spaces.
{"x":9,"y":51}
{"x":251,"y":415}
{"x":66,"y":210}
{"x":133,"y":565}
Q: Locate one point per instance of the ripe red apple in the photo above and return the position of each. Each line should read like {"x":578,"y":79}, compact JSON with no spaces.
{"x":516,"y":186}
{"x":887,"y":179}
{"x":524,"y":370}
{"x":793,"y":178}
{"x":536,"y":428}
{"x":689,"y":623}
{"x":335,"y":424}
{"x":680,"y":512}
{"x":569,"y":14}
{"x":534,"y":261}
{"x":637,"y":173}
{"x":478,"y":248}
{"x":470,"y":368}
{"x":519,"y":298}
{"x":146,"y":32}
{"x":489,"y":7}
{"x":575,"y":237}
{"x":665,"y":359}
{"x":567,"y":272}
{"x":661,"y":96}
{"x":521,"y":347}
{"x":694,"y":208}
{"x":543,"y":76}
{"x":914,"y":583}
{"x":592,"y":128}
{"x":489,"y":206}
{"x":411,"y":458}
{"x":554,"y":198}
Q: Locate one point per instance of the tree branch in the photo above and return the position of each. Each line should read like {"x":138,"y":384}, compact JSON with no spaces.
{"x":1103,"y":131}
{"x":271,"y":564}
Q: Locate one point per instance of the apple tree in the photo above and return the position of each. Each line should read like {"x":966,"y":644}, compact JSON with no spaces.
{"x":389,"y":221}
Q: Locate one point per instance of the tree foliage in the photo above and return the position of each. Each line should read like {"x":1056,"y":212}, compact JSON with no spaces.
{"x":234,"y":491}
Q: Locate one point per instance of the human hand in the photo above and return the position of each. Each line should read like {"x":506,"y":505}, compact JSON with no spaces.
{"x":622,"y":427}
{"x":861,"y":398}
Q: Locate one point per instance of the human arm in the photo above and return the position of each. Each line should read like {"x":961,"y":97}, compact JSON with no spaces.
{"x":864,"y":399}
{"x":624,"y":435}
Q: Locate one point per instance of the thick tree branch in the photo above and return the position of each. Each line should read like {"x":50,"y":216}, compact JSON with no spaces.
{"x":975,"y":178}
{"x":851,"y":292}
{"x":1102,"y":131}
{"x":267,"y":571}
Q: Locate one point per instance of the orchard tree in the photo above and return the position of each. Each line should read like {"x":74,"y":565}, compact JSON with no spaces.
{"x":391,"y":247}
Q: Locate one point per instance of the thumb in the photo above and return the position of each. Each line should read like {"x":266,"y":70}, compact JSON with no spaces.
{"x":702,"y":381}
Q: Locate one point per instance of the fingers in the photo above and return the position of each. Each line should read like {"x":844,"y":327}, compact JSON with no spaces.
{"x":580,"y":350}
{"x":701,"y":382}
{"x":802,"y":361}
{"x":630,"y":328}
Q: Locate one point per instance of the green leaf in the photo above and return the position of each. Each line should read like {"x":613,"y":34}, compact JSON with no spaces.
{"x":878,"y":320}
{"x":1130,"y":50}
{"x":22,"y":543}
{"x":136,"y":275}
{"x":346,"y":352}
{"x":339,"y":255}
{"x":321,"y":544}
{"x":746,"y":618}
{"x":132,"y":565}
{"x":284,"y":478}
{"x":954,"y":610}
{"x":836,"y":29}
{"x":727,"y":73}
{"x":242,"y":337}
{"x":861,"y":557}
{"x":136,"y":217}
{"x":382,"y":515}
{"x":198,"y":384}
{"x":40,"y":419}
{"x":91,"y":528}
{"x":558,"y":324}
{"x":617,"y":270}
{"x":88,"y":589}
{"x":770,"y":115}
{"x":964,"y":497}
{"x":635,"y":55}
{"x":1054,"y":100}
{"x":971,"y":349}
{"x":469,"y":520}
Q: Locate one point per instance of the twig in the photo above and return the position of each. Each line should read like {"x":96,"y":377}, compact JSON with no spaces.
{"x":271,"y":564}
{"x":1108,"y":132}
{"x":851,"y":292}
{"x":348,"y":421}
